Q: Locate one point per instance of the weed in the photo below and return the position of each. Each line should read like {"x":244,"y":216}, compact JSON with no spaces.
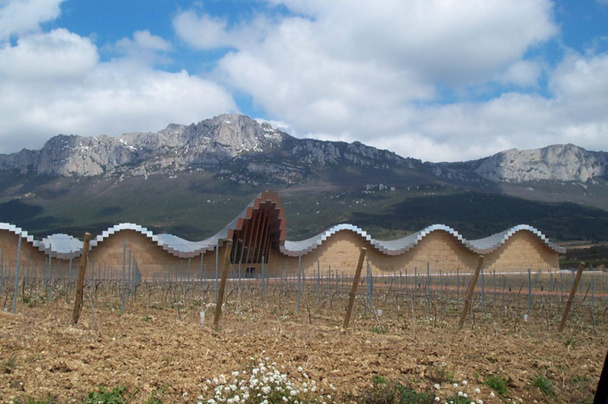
{"x":32,"y":400}
{"x":379,"y":329}
{"x":9,"y":365}
{"x":378,"y":379}
{"x":498,"y":384}
{"x":580,"y":381}
{"x":153,"y":399}
{"x":570,"y":342}
{"x":438,"y":374}
{"x":103,"y":396}
{"x":544,"y":385}
{"x":145,"y":319}
{"x":476,"y":376}
{"x":392,"y":392}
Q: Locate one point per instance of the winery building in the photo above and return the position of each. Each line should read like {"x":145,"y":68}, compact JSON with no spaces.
{"x":257,"y":241}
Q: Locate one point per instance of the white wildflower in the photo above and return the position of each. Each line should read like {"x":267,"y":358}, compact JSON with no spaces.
{"x":436,"y":385}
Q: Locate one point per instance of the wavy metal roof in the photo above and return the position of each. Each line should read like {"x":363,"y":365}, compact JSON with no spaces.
{"x":402,"y":245}
{"x":57,"y":245}
{"x":65,"y":246}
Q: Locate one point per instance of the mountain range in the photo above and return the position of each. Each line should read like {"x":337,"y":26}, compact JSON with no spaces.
{"x":192,"y":179}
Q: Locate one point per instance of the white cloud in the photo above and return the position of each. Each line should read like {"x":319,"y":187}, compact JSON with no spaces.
{"x":58,"y":54}
{"x":583,"y":81}
{"x":204,"y":32}
{"x":54,"y":83}
{"x":574,"y":113}
{"x":523,"y":73}
{"x":23,"y":16}
{"x":376,"y":72}
{"x":359,"y":69}
{"x":143,"y":48}
{"x":143,"y":40}
{"x":208,"y":32}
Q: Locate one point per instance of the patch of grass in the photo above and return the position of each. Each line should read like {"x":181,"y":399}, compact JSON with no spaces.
{"x":544,"y":385}
{"x":34,"y":300}
{"x":103,"y":396}
{"x":439,"y":374}
{"x":153,"y":399}
{"x":498,"y":384}
{"x":9,"y":365}
{"x":145,"y":319}
{"x":390,"y":393}
{"x":378,"y":379}
{"x":580,"y":381}
{"x":379,"y":329}
{"x":32,"y":400}
{"x":570,"y":342}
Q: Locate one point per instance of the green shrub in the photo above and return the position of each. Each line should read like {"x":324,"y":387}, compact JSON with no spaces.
{"x":103,"y":396}
{"x":544,"y":385}
{"x":391,"y":393}
{"x":498,"y":384}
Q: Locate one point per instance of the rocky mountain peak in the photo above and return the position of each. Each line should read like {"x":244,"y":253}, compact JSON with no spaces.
{"x":238,"y":132}
{"x":557,"y":162}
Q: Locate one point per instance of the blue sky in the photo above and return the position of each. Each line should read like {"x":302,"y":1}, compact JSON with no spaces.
{"x":441,"y":81}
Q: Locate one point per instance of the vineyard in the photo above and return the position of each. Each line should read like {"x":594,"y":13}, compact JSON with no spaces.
{"x":156,"y":341}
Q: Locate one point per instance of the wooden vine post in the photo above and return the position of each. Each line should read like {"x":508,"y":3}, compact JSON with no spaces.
{"x":220,"y":297}
{"x":577,"y":279}
{"x":81,"y":275}
{"x":469,"y":296}
{"x":353,"y":292}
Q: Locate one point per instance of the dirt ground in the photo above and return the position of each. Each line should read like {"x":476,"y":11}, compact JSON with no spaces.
{"x":165,"y":353}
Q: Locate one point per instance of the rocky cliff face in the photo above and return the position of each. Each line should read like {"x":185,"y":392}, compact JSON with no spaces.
{"x":555,"y":163}
{"x":234,"y":145}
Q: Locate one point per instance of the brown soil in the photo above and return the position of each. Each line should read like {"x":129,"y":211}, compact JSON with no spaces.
{"x":166,"y":353}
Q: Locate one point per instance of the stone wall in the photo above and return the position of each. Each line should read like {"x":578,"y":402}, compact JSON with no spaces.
{"x":441,"y":250}
{"x":522,"y":251}
{"x":30,"y":256}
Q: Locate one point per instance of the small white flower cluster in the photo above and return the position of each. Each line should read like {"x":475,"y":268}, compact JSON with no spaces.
{"x":461,"y":393}
{"x":263,"y":384}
